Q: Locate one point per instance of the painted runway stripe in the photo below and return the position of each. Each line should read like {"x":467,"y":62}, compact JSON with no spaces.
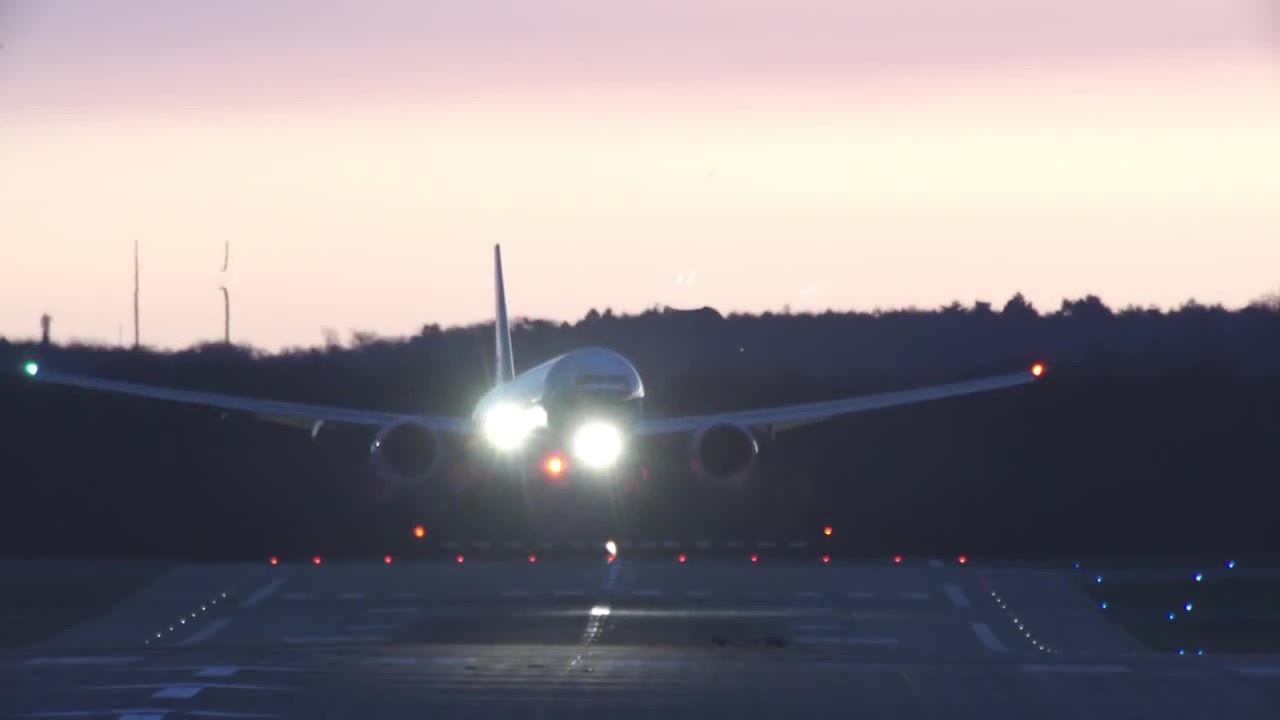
{"x":699,"y":593}
{"x":877,"y":641}
{"x":957,"y":596}
{"x":935,"y":564}
{"x":988,"y":638}
{"x":406,"y":595}
{"x":1259,"y":671}
{"x":263,"y":593}
{"x":808,"y":594}
{"x":817,"y":628}
{"x":83,"y":660}
{"x":206,"y":632}
{"x":1077,"y":669}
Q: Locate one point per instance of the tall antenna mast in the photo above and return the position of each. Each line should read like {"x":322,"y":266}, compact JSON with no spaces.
{"x":137,"y":341}
{"x":226,"y":297}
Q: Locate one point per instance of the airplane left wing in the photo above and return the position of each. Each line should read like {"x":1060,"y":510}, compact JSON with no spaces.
{"x":285,"y":413}
{"x":791,"y":416}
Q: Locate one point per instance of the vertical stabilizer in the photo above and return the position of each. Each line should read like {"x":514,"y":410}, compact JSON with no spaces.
{"x":506,"y":365}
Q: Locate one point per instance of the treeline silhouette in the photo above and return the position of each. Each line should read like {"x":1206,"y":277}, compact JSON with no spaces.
{"x":1154,"y":431}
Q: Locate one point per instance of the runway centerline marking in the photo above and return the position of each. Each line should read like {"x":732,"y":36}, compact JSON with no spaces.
{"x":957,"y":596}
{"x":206,"y":632}
{"x":263,"y":593}
{"x":988,"y":638}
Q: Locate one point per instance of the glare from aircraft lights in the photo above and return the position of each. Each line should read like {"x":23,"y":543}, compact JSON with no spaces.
{"x":31,"y":369}
{"x":507,"y":426}
{"x":597,"y":444}
{"x":610,"y":558}
{"x":600,"y":611}
{"x":554,"y":466}
{"x":419,"y":532}
{"x":827,"y":531}
{"x":611,"y":547}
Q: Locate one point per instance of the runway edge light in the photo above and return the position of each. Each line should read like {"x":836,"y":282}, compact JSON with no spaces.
{"x":1037,"y":369}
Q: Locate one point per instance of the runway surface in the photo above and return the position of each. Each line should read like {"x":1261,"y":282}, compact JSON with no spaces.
{"x":584,"y":637}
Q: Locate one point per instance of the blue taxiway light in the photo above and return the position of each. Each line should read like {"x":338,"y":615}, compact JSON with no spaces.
{"x":1098,"y":579}
{"x":1187,"y":607}
{"x":1104,"y":604}
{"x":1172,"y":615}
{"x":1199,"y":577}
{"x":1231,"y":564}
{"x":1182,"y":651}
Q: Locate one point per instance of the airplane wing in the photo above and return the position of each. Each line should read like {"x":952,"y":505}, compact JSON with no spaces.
{"x":791,"y":416}
{"x":285,"y":413}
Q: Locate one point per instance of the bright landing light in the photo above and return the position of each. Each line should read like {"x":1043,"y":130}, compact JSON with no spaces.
{"x":597,"y":444}
{"x":507,"y":426}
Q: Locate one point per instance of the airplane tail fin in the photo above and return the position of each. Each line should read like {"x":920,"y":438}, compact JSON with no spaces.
{"x":506,"y":366}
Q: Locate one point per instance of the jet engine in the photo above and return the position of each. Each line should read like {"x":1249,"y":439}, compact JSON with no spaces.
{"x":724,"y":452}
{"x":404,"y":453}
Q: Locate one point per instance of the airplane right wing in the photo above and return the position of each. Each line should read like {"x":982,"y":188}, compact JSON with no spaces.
{"x":300,"y":415}
{"x":791,"y":416}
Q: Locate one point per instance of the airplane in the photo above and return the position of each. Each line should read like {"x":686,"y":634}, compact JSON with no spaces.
{"x":588,"y":400}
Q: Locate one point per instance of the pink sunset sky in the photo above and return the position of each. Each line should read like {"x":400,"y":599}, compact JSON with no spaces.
{"x":363,"y":157}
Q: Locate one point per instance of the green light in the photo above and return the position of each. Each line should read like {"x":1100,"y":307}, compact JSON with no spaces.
{"x":31,"y":369}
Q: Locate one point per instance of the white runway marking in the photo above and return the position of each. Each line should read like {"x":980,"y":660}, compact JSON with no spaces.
{"x":263,"y":593}
{"x":1259,"y":671}
{"x":817,"y":628}
{"x":1079,"y":669}
{"x":880,"y":641}
{"x":369,"y":628}
{"x":147,"y":714}
{"x":177,"y":692}
{"x":988,"y":638}
{"x":206,"y":632}
{"x":392,"y":660}
{"x":957,"y":596}
{"x":218,"y":671}
{"x":83,"y":660}
{"x":142,"y":716}
{"x":858,"y":595}
{"x":202,"y":686}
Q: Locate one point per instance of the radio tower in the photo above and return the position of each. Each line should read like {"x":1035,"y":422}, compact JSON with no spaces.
{"x":137,"y":341}
{"x":226,"y":297}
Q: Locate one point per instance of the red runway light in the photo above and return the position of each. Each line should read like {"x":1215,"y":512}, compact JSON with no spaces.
{"x":681,"y":557}
{"x":275,"y":560}
{"x":827,"y":531}
{"x":897,"y":559}
{"x":459,"y":558}
{"x":755,"y":557}
{"x":1037,"y":369}
{"x":533,"y":558}
{"x":962,"y":559}
{"x":610,"y":558}
{"x":419,"y":532}
{"x":826,"y":559}
{"x":386,"y":559}
{"x":315,"y":560}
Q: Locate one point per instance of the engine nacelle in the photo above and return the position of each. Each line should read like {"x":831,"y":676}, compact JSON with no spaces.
{"x":405,"y":453}
{"x":724,"y":452}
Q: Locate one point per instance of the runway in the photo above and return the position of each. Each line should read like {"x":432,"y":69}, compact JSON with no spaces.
{"x":650,"y":637}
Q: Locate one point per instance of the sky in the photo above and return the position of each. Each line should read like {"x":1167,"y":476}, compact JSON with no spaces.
{"x":363,"y":157}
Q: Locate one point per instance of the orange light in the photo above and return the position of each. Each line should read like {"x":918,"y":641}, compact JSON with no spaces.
{"x":962,"y":559}
{"x":1037,"y":369}
{"x":826,"y":559}
{"x":533,"y":558}
{"x":681,"y":557}
{"x":419,"y":531}
{"x":827,"y":531}
{"x":460,"y":559}
{"x":386,"y":559}
{"x":755,"y":557}
{"x":315,"y":560}
{"x":275,"y":560}
{"x":554,"y":466}
{"x":897,"y":559}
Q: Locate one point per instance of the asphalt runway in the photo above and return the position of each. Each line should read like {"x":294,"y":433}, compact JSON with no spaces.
{"x":637,"y":637}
